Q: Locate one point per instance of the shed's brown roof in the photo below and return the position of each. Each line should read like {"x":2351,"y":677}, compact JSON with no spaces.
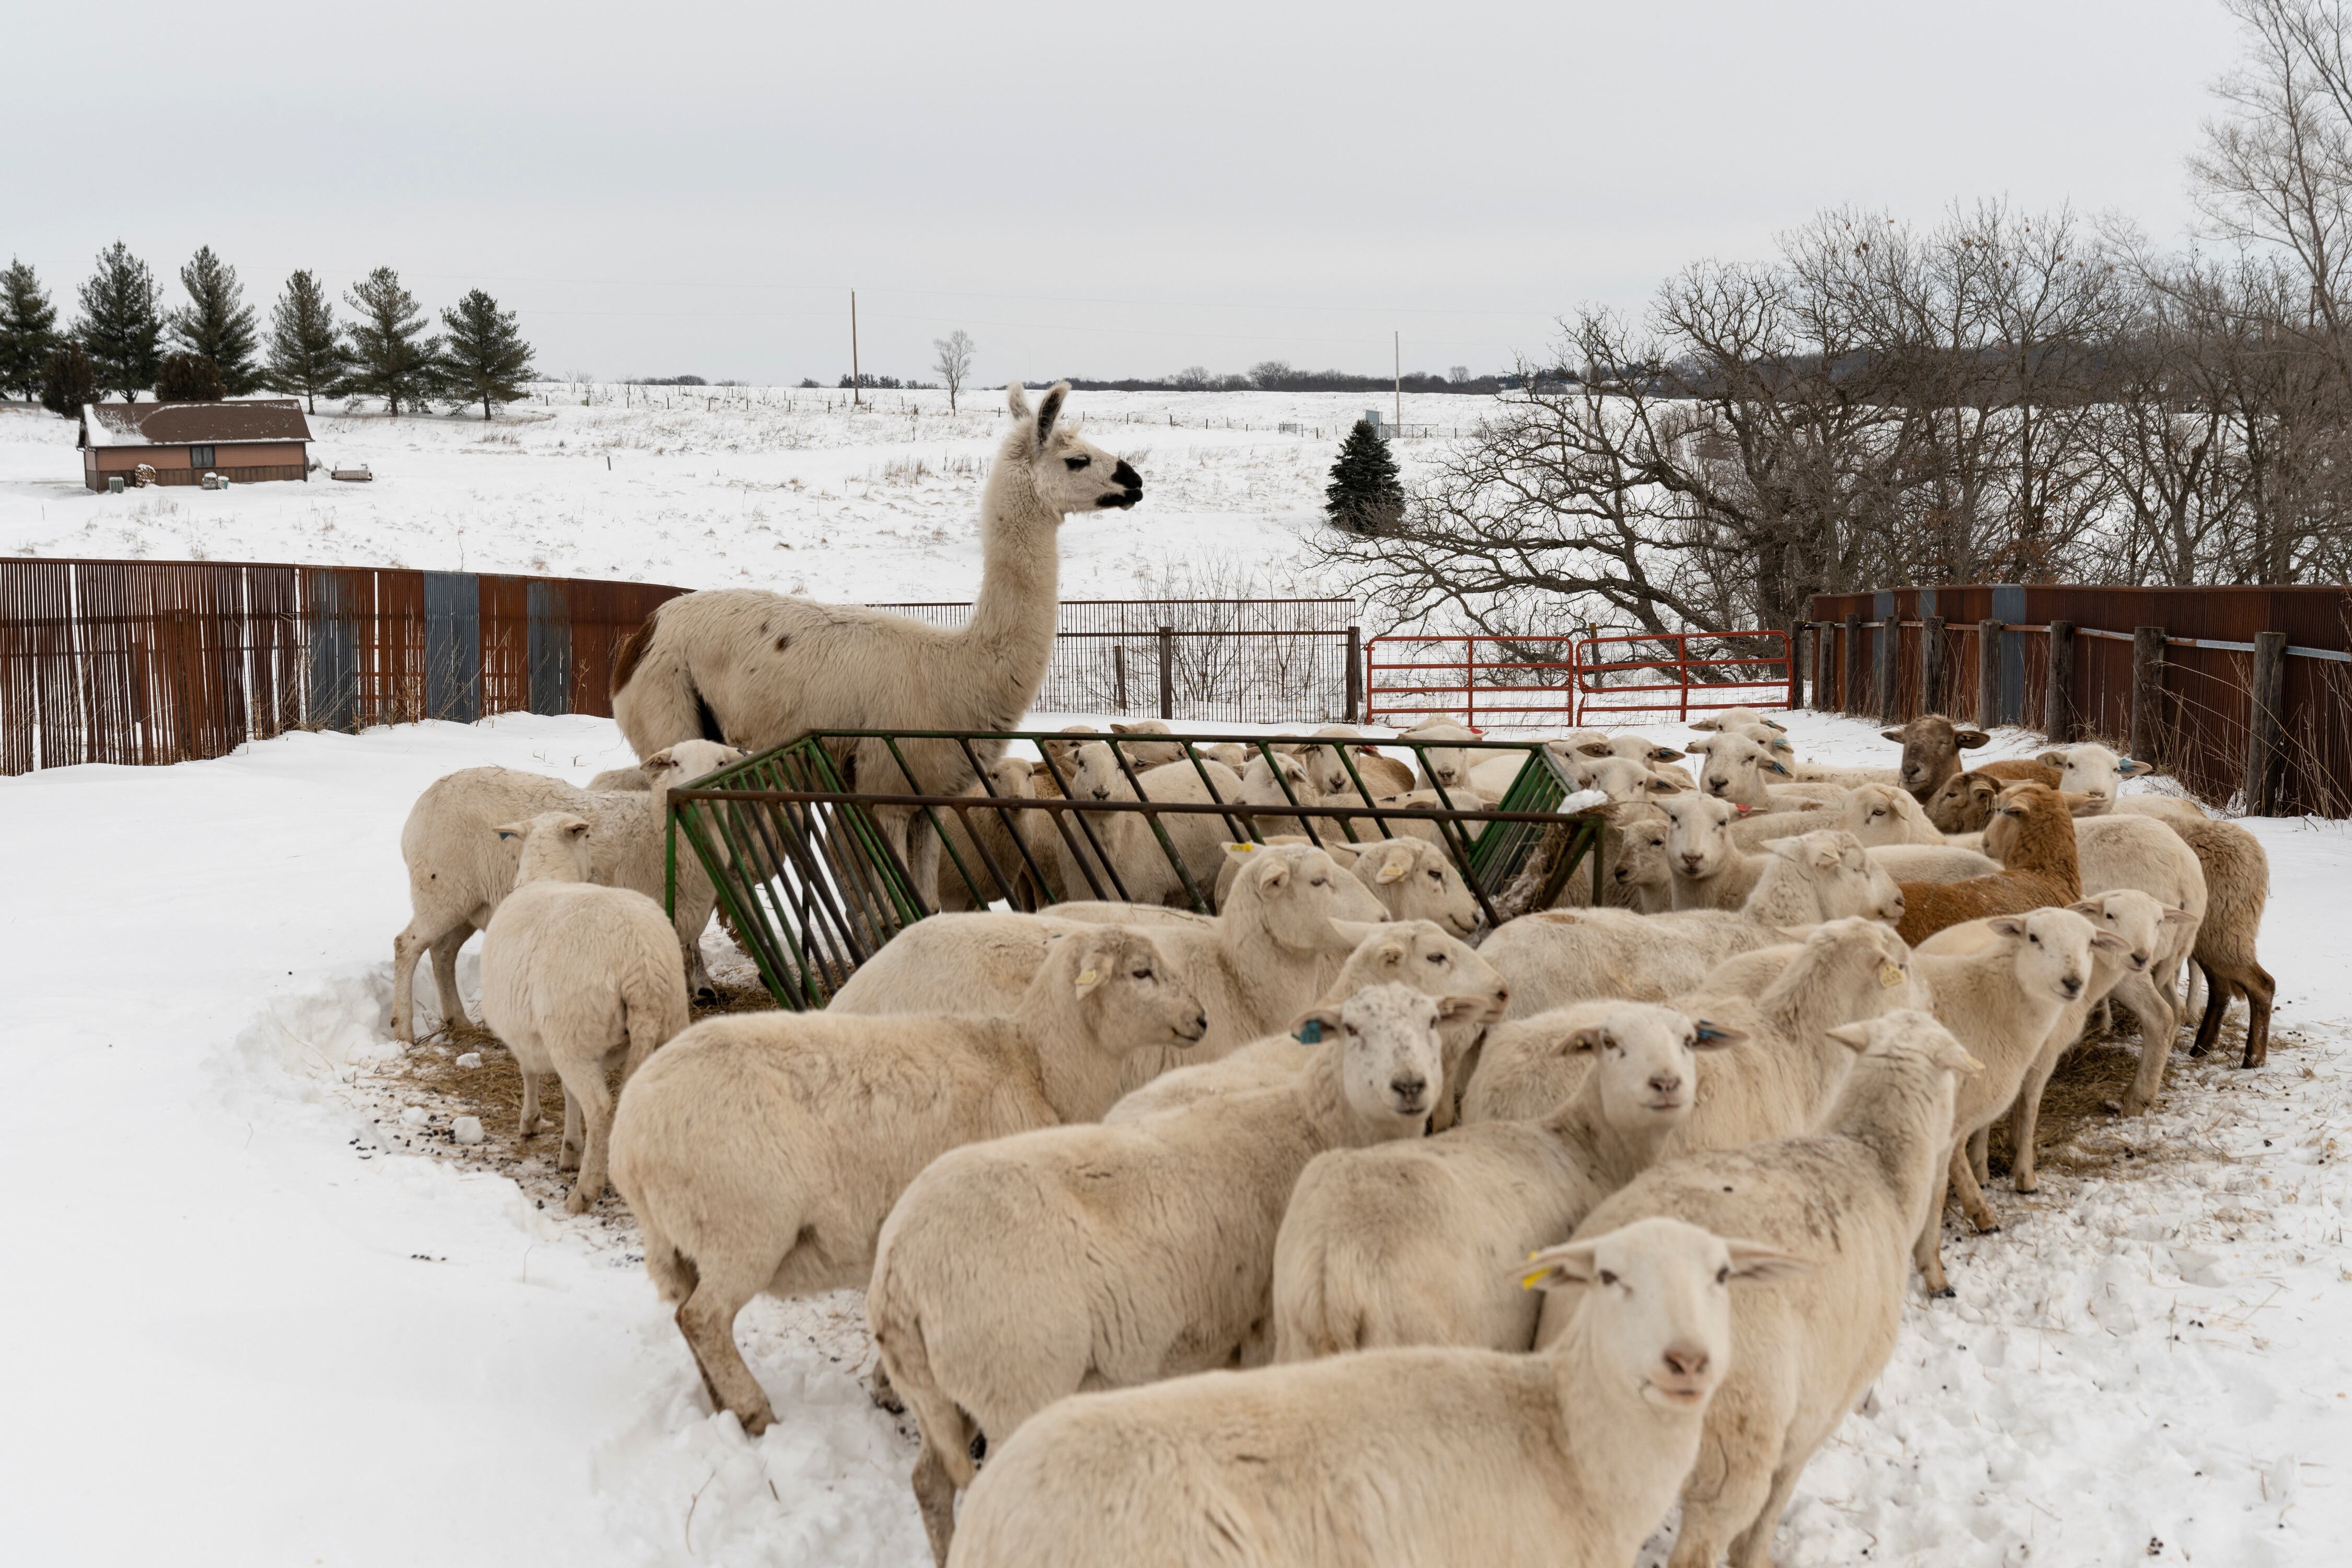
{"x":180,"y":423}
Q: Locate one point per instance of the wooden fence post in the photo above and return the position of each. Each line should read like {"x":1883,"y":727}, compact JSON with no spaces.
{"x":1796,"y":667}
{"x":2147,"y":693}
{"x":1890,"y":661}
{"x":1850,"y":700}
{"x":1987,"y":674}
{"x":1820,"y":666}
{"x":2058,"y":720}
{"x":2263,"y":701}
{"x":1355,"y":677}
{"x":1931,"y":664}
{"x":1168,"y":672}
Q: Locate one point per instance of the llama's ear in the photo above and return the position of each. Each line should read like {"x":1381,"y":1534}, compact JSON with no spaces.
{"x":1016,"y":399}
{"x":1051,"y":409}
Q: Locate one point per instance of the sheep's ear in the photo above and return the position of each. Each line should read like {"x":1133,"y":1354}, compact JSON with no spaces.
{"x":1120,"y":729}
{"x":1696,"y":748}
{"x":2173,"y":916}
{"x":1760,"y":1265}
{"x":1316,"y":1025}
{"x":1664,"y":754}
{"x":1781,"y":743}
{"x":1391,"y":872}
{"x":1390,"y":954}
{"x":1895,"y":735}
{"x":665,"y":758}
{"x":1589,"y":1038}
{"x":1016,"y":400}
{"x":575,"y":830}
{"x":1855,"y":1037}
{"x":1774,"y":764}
{"x":1953,"y":1054}
{"x":1705,"y":724}
{"x":1597,"y":748}
{"x":2109,"y":941}
{"x":2089,"y":908}
{"x":2005,"y":925}
{"x":1790,"y":848}
{"x":512,"y":829}
{"x":1561,"y":1267}
{"x":1051,"y":409}
{"x":1830,"y":854}
{"x":2131,"y":768}
{"x":1454,"y":1009}
{"x":1774,"y":724}
{"x":2052,"y":760}
{"x":1660,"y":784}
{"x":1710,"y":1036}
{"x":1968,"y":739}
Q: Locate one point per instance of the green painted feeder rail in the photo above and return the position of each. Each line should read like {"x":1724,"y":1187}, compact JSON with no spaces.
{"x":811,"y":882}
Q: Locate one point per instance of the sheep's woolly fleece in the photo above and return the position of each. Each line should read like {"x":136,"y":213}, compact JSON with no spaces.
{"x":327,"y":1339}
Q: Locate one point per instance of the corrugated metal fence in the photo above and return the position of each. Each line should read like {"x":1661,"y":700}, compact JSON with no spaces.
{"x":147,"y":662}
{"x":2168,"y":675}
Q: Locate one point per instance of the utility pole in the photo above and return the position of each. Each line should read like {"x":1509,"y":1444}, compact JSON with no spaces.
{"x":1396,"y":348}
{"x":857,"y":382}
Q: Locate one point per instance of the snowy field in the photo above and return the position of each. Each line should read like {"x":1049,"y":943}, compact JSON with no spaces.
{"x":724,"y":487}
{"x":259,"y":1316}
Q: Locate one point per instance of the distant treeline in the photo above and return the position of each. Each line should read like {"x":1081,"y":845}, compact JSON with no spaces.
{"x":1278,"y":375}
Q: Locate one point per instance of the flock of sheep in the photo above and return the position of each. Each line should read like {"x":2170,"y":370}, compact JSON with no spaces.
{"x":1308,"y":1231}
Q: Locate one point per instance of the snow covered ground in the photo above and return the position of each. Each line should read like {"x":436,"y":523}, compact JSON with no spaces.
{"x":258,"y":1317}
{"x":723,"y":487}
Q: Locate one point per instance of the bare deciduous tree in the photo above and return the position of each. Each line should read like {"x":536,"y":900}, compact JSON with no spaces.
{"x":954,"y":363}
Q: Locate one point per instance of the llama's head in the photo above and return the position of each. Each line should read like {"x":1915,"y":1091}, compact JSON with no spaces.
{"x":1069,"y":473}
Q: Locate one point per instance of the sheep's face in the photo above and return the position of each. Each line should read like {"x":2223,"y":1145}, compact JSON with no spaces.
{"x":1646,"y":1058}
{"x":1128,"y":995}
{"x":1643,"y":858}
{"x":1069,"y":473}
{"x":1414,"y":881}
{"x":2053,"y":951}
{"x":2094,"y":772}
{"x":1442,"y":767}
{"x":1699,"y":838}
{"x":1737,"y":767}
{"x":2141,"y":922}
{"x":1303,"y":901}
{"x":1418,"y":954}
{"x":673,"y":766}
{"x":1098,"y":775}
{"x":1876,"y":815}
{"x":1621,"y":779}
{"x":1963,"y":803}
{"x":1259,"y":786}
{"x":1932,"y":746}
{"x":1657,"y":1307}
{"x":1391,"y":1059}
{"x":1145,"y":753}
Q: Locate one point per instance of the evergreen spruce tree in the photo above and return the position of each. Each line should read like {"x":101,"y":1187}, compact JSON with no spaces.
{"x":68,"y":381}
{"x":217,"y":326}
{"x":1364,"y":496}
{"x":484,"y":359}
{"x":189,"y":378}
{"x":120,"y":328}
{"x":29,"y":329}
{"x":390,"y":356}
{"x":306,"y":357}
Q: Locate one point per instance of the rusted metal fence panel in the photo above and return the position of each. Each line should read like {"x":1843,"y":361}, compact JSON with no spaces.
{"x":2201,"y":718}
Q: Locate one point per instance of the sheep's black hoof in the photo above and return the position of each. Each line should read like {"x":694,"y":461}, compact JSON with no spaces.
{"x":706,"y":995}
{"x":1946,"y":1294}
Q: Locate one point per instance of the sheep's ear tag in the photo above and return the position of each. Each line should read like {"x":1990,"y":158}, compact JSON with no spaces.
{"x":1310,"y":1033}
{"x":1389,"y":874}
{"x":1744,"y":810}
{"x":1088,"y":979}
{"x":1889,"y":977}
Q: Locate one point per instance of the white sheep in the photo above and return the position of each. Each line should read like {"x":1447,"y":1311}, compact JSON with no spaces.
{"x":1396,"y":1457}
{"x":1409,"y":1242}
{"x":1755,"y":829}
{"x":763,"y":1151}
{"x":1733,"y":718}
{"x":1634,"y":747}
{"x":459,"y":871}
{"x":1015,"y":1273}
{"x":1126,"y":840}
{"x":1784,"y":998}
{"x":2002,"y":1001}
{"x":1328,"y":769}
{"x":1845,"y":1198}
{"x":1411,"y":953}
{"x":1635,"y":875}
{"x":2096,"y":773}
{"x":1255,"y":965}
{"x":1441,"y":765}
{"x":1412,"y":877}
{"x":1621,"y":779}
{"x":1882,"y":814}
{"x":573,"y":976}
{"x":1742,"y":771}
{"x":1553,"y":957}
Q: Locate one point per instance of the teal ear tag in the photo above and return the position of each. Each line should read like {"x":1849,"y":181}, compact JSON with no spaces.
{"x":1310,"y":1033}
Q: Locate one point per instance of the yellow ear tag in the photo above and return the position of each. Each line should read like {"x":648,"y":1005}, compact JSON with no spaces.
{"x":1889,"y":977}
{"x":1529,"y":1283}
{"x":1089,"y":977}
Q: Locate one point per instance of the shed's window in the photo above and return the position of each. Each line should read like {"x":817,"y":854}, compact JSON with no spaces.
{"x":200,"y":456}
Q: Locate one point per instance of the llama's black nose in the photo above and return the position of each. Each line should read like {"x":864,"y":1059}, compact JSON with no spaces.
{"x":1125,"y":473}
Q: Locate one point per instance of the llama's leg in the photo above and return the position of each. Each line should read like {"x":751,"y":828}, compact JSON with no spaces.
{"x":707,"y":1319}
{"x":588,"y":1103}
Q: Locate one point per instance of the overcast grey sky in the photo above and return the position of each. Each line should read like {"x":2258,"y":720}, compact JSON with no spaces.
{"x":1102,"y":191}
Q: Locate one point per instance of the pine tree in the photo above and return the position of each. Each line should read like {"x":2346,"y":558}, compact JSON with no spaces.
{"x":189,"y":378}
{"x":29,"y":324}
{"x":484,"y":357}
{"x":1364,"y":496}
{"x":68,"y":381}
{"x":390,"y":356}
{"x":217,"y":326}
{"x":306,"y":357}
{"x":119,"y":327}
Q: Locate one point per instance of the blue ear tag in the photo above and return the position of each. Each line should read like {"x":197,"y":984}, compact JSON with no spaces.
{"x":1310,"y":1033}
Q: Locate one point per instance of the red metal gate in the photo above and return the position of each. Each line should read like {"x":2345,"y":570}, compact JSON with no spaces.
{"x":1566,"y":681}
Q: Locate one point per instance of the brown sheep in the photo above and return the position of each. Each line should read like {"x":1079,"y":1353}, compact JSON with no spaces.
{"x":2237,"y":887}
{"x":2032,"y":835}
{"x":1964,"y":803}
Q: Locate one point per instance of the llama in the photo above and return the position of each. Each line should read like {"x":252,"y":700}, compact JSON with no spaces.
{"x":762,"y":667}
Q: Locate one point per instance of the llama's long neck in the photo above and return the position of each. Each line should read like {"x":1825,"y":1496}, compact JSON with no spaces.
{"x":1011,"y":634}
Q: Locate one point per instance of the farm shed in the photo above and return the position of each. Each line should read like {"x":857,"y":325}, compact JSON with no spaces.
{"x":244,"y":440}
